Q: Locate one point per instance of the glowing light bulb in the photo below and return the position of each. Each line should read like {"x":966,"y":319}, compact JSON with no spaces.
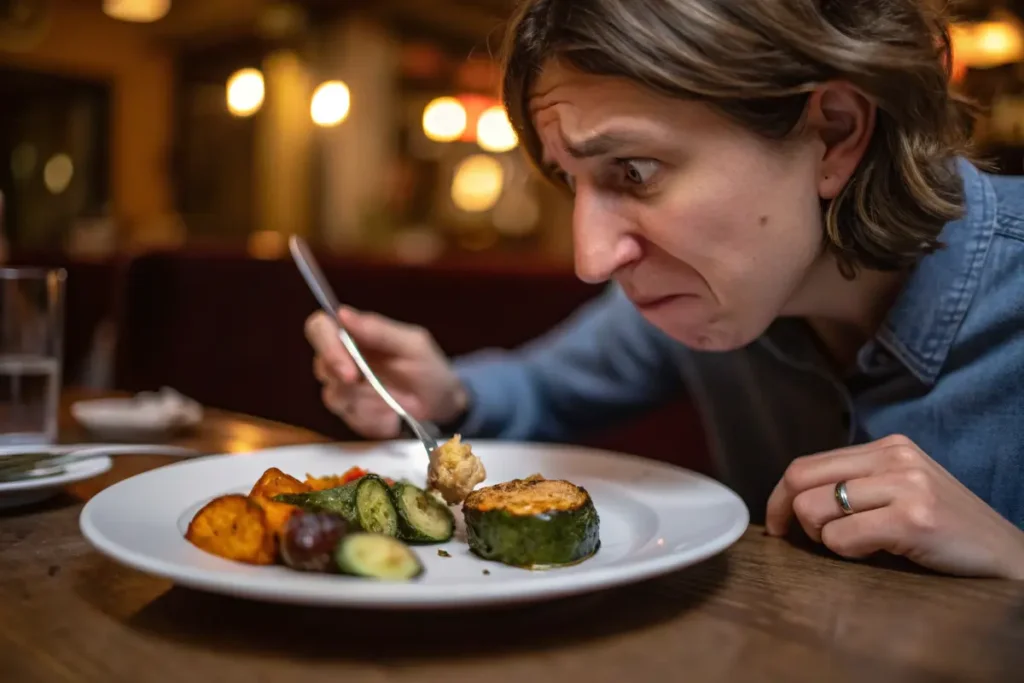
{"x":245,"y":92}
{"x":444,"y":119}
{"x":331,"y":103}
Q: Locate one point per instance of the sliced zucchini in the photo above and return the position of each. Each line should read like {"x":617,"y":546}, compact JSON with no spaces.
{"x":365,"y":503}
{"x":534,"y":523}
{"x":375,"y":512}
{"x":422,"y":518}
{"x":377,"y":556}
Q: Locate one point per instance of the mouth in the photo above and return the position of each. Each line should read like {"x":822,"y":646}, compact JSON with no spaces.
{"x":653,"y":303}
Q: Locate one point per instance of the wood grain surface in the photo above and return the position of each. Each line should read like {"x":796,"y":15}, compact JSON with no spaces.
{"x":765,"y":610}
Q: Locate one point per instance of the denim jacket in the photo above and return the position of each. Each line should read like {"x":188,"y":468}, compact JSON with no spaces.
{"x":945,"y":369}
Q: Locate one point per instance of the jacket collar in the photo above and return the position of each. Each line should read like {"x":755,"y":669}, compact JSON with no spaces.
{"x":922,"y":324}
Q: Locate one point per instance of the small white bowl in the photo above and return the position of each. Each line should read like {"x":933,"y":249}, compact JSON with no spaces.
{"x":145,"y":415}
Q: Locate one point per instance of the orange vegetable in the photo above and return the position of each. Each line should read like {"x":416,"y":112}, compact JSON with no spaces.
{"x":273,"y":482}
{"x":235,"y":528}
{"x":334,"y":480}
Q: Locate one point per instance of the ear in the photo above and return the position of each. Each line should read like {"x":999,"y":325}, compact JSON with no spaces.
{"x":842,"y":117}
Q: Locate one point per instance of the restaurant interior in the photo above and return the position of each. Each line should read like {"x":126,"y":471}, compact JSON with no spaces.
{"x":162,"y":151}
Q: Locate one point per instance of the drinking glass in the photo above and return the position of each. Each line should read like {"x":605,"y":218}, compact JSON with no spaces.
{"x":31,"y":353}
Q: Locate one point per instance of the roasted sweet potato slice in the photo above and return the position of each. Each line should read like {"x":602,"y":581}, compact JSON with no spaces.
{"x":273,"y":482}
{"x":235,"y":528}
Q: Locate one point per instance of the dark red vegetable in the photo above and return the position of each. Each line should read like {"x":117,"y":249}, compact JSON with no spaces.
{"x":310,"y":538}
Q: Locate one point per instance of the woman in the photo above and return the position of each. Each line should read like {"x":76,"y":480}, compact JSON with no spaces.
{"x":779,"y":194}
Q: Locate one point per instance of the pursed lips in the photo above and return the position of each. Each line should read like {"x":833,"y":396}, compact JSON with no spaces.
{"x":640,"y":297}
{"x":655,"y":301}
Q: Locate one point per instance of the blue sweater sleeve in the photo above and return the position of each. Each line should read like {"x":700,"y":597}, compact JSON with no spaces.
{"x":602,"y":364}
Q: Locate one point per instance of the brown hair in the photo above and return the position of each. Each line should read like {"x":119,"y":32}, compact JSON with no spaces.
{"x":757,"y":61}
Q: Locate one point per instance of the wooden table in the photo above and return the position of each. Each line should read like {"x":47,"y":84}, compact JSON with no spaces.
{"x":765,"y":610}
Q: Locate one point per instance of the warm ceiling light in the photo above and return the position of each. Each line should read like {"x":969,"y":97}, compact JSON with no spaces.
{"x":494,"y":133}
{"x":57,"y":173}
{"x":330,"y":104}
{"x":245,"y":92}
{"x":137,"y":10}
{"x":987,"y":44}
{"x":477,"y":184}
{"x":444,"y":119}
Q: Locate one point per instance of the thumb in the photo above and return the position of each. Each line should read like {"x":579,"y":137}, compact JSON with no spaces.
{"x":375,"y":332}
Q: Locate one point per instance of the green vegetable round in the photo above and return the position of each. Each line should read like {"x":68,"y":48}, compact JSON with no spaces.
{"x":421,"y":517}
{"x":376,"y":556}
{"x":532,"y":523}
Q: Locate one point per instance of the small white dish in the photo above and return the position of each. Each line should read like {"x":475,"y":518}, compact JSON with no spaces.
{"x":28,"y":491}
{"x":655,"y":519}
{"x":146,"y":415}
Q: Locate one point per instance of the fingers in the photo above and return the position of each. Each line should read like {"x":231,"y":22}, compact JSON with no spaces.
{"x":825,"y":469}
{"x":384,"y":335}
{"x":804,"y":475}
{"x":331,"y":356}
{"x":817,"y":507}
{"x":362,"y":410}
{"x":865,"y":533}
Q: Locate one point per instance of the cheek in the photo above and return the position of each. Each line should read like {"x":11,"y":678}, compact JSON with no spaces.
{"x":748,"y":225}
{"x":750,"y":237}
{"x":715,"y":225}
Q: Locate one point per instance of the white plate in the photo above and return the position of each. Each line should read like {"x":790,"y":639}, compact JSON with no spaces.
{"x":655,"y":518}
{"x":25,"y":492}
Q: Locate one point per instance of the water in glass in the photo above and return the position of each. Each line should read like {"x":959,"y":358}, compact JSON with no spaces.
{"x":31,"y":354}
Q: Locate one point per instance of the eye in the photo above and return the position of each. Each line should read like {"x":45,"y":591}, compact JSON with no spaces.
{"x":639,"y":171}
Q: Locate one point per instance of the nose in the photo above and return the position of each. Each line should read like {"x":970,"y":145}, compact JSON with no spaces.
{"x":603,"y":241}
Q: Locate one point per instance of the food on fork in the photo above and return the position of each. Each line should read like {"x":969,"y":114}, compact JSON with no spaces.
{"x":534,"y":523}
{"x":454,"y":470}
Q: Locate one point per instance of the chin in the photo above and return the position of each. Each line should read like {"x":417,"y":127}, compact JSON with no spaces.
{"x":711,"y":334}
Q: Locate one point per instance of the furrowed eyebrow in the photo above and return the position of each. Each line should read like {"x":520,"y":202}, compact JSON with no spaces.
{"x":594,"y":146}
{"x":597,"y":145}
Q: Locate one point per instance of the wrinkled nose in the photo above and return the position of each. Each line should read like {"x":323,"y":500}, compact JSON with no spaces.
{"x":602,"y":240}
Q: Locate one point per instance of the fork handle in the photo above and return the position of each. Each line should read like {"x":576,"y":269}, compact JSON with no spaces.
{"x":429,"y":442}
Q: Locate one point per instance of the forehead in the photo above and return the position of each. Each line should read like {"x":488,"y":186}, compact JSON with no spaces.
{"x":580,"y":102}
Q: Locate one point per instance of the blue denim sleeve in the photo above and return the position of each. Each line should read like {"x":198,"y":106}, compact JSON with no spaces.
{"x":602,"y":364}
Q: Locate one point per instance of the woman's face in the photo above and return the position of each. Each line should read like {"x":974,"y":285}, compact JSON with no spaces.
{"x":710,"y":230}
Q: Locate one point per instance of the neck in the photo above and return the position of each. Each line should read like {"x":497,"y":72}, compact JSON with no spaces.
{"x":845,"y":313}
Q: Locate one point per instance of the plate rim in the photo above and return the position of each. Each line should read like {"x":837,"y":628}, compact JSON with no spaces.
{"x":537,"y":590}
{"x":100,"y":464}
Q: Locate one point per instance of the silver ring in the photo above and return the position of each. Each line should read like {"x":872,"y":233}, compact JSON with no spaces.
{"x":842,"y":499}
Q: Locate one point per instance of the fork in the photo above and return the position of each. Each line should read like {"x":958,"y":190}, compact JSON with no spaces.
{"x":49,"y":460}
{"x":321,"y":289}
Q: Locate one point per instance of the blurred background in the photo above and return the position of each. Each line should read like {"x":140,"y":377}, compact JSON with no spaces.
{"x":162,"y":150}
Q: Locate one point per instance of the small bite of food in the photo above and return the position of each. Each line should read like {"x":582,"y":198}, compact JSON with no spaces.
{"x":532,"y":523}
{"x":454,"y":470}
{"x":310,"y":539}
{"x":235,"y":528}
{"x":374,"y":556}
